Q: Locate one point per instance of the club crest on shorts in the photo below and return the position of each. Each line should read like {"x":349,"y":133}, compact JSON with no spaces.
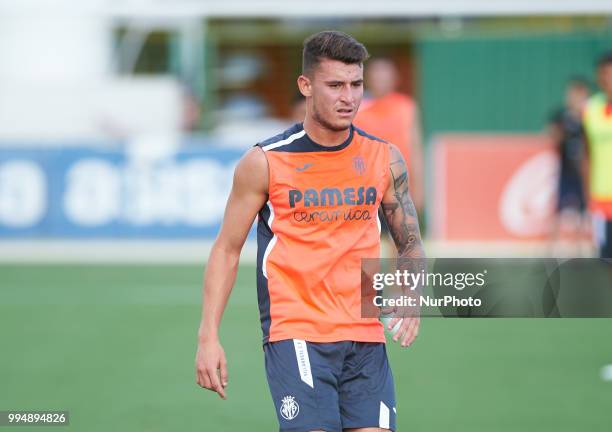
{"x":359,"y":165}
{"x":289,"y":408}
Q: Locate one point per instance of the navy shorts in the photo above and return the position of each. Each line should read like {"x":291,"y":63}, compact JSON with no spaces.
{"x":571,"y":194}
{"x":602,"y":231}
{"x":330,"y":386}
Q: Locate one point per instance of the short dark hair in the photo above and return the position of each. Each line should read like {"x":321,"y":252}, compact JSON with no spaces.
{"x":332,"y":45}
{"x":605,"y":59}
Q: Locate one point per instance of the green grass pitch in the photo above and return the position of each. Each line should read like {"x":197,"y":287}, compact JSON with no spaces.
{"x":115,"y":346}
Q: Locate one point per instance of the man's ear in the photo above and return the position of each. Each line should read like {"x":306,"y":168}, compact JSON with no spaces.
{"x":305,"y":85}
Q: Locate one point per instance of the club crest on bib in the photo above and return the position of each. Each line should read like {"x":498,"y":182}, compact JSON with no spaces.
{"x":289,"y":408}
{"x":359,"y":165}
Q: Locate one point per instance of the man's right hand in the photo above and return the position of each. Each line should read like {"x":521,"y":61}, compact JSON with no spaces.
{"x":211,"y":367}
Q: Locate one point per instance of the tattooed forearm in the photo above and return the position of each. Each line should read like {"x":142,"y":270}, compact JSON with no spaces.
{"x":401,"y":217}
{"x":399,"y":211}
{"x":405,"y":235}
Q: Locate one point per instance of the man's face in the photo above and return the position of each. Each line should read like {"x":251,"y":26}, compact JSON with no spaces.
{"x":605,"y":79}
{"x":334,"y":92}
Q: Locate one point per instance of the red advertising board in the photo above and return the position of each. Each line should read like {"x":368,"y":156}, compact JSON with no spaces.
{"x":492,"y":187}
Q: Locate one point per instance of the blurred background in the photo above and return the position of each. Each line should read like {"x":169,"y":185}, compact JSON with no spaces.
{"x":120,"y":126}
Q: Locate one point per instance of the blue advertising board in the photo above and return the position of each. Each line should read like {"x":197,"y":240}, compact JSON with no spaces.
{"x":89,"y":193}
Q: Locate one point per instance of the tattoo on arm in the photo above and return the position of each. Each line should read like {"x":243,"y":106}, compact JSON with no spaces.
{"x":401,"y":216}
{"x":400,"y":213}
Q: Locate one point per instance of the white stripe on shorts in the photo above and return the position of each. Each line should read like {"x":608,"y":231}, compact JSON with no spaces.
{"x":301,"y":354}
{"x":383,"y":416}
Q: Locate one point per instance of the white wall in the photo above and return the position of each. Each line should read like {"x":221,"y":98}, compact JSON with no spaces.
{"x":56,"y":82}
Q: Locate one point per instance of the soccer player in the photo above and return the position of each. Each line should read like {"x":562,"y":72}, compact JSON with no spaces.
{"x":566,"y":131}
{"x":317,"y":189}
{"x":598,"y":126}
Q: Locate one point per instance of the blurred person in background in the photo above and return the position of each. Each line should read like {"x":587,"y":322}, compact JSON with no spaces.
{"x":394,"y":117}
{"x":567,"y":133}
{"x":598,"y":127}
{"x":316,"y":188}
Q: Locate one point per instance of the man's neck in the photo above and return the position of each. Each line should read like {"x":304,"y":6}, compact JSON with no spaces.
{"x":324,"y":136}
